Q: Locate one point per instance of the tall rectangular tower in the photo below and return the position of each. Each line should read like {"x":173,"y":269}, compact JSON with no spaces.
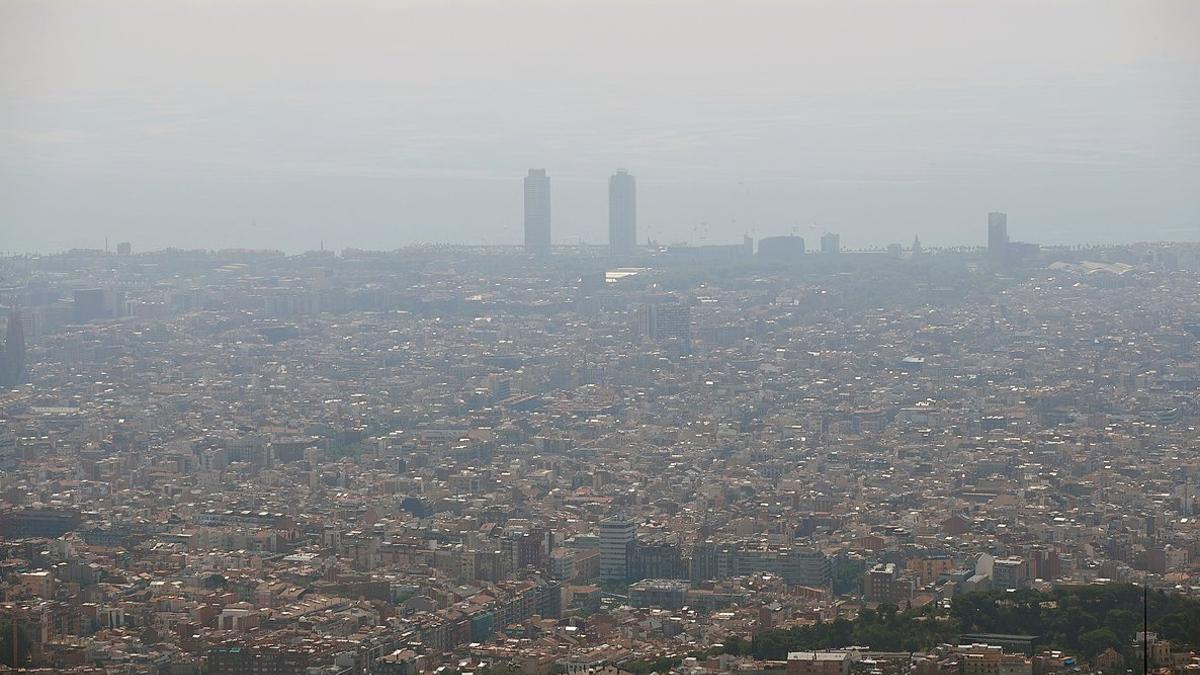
{"x":997,"y":235}
{"x":622,"y":213}
{"x":831,"y":243}
{"x":537,"y":212}
{"x":616,"y":540}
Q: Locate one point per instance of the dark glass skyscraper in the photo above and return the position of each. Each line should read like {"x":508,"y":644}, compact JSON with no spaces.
{"x":537,"y":212}
{"x":997,"y":235}
{"x":622,"y":213}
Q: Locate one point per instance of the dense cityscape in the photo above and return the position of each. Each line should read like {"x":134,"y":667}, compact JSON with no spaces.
{"x":628,"y":459}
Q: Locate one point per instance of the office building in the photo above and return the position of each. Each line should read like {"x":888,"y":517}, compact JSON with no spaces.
{"x":656,"y":557}
{"x":831,"y":243}
{"x":91,"y":304}
{"x":997,"y":235}
{"x":12,"y":357}
{"x":537,"y":212}
{"x":256,"y":661}
{"x":795,"y":565}
{"x":665,"y":593}
{"x":666,"y":321}
{"x":622,"y":213}
{"x":616,"y":540}
{"x":786,"y":248}
{"x":8,"y":448}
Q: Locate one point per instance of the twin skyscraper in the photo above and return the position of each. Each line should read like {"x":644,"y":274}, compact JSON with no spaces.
{"x":622,"y":213}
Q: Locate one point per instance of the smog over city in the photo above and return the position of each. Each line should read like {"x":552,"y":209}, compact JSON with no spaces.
{"x":600,"y":337}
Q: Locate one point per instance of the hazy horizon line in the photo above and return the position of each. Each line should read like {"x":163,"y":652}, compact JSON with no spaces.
{"x":643,"y":249}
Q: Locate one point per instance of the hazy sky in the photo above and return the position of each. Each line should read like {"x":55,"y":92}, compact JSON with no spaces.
{"x":378,"y":124}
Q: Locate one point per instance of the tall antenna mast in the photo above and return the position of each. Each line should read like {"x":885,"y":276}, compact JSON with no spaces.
{"x":1146,"y":624}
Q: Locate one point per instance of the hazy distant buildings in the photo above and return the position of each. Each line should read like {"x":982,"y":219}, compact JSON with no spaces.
{"x":831,"y":243}
{"x":8,"y":448}
{"x":704,"y":253}
{"x":90,"y":304}
{"x":785,"y":248}
{"x":537,"y":212}
{"x":12,"y":357}
{"x":661,"y":322}
{"x":794,"y":564}
{"x":997,"y":235}
{"x":622,"y":213}
{"x":525,"y":433}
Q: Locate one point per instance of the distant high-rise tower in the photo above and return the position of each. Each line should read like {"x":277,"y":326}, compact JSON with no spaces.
{"x":12,"y":365}
{"x":997,"y":235}
{"x":537,"y":212}
{"x":831,"y":243}
{"x":622,"y":213}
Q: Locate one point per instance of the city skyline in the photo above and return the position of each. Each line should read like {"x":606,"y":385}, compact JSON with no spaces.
{"x":539,"y":239}
{"x":600,"y":337}
{"x":391,"y":463}
{"x":389,"y":135}
{"x":539,"y":236}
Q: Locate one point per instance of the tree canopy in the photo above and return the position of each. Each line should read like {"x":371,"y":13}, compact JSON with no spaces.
{"x":1084,"y":620}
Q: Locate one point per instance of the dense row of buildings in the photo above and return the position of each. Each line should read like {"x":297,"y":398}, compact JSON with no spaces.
{"x":244,"y":462}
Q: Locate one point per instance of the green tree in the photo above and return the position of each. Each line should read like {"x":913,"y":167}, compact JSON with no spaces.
{"x":887,"y":612}
{"x":734,"y":644}
{"x":502,"y":669}
{"x":645,"y":666}
{"x":1096,"y":641}
{"x":1065,"y":618}
{"x":1122,"y":622}
{"x":214,"y":581}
